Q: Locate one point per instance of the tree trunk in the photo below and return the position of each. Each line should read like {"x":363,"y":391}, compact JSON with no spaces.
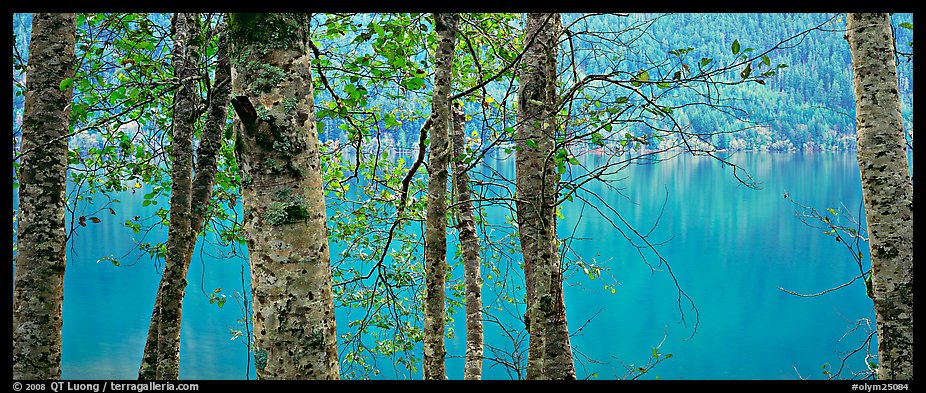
{"x":161,"y":359}
{"x":148,"y":370}
{"x":201,"y":191}
{"x":38,"y":285}
{"x":558,"y":361}
{"x":207,"y":154}
{"x":469,"y":245}
{"x":284,"y":210}
{"x":435,"y":250}
{"x":886,"y":189}
{"x":549,"y":355}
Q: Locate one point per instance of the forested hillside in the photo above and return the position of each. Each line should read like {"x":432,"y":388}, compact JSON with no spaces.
{"x":807,"y":105}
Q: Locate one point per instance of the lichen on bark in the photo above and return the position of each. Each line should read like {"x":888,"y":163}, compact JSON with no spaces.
{"x":185,"y":60}
{"x":549,"y":351}
{"x":284,"y":223}
{"x":469,"y":245}
{"x":435,"y":250}
{"x":887,"y":188}
{"x":201,"y":188}
{"x":38,"y":283}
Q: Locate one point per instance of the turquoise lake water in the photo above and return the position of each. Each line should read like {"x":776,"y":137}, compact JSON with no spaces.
{"x":730,"y":248}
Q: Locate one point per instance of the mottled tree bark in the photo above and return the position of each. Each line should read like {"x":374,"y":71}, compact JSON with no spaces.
{"x":886,"y":189}
{"x":148,"y":370}
{"x":207,"y":154}
{"x":200,"y":193}
{"x":469,"y":246}
{"x":549,"y":353}
{"x":284,"y":209}
{"x":38,"y":285}
{"x":164,"y":328}
{"x":558,"y":363}
{"x":435,"y":250}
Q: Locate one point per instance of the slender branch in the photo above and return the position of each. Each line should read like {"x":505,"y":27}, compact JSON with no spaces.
{"x":422,"y":146}
{"x":175,"y":83}
{"x":505,"y":69}
{"x":825,"y":291}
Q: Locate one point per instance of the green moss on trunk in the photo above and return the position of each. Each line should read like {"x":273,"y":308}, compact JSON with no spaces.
{"x":277,"y":150}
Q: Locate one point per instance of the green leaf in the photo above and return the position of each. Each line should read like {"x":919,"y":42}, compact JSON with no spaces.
{"x":832,"y":211}
{"x":766,"y":60}
{"x":643,"y":76}
{"x":736,"y":46}
{"x":414,"y":83}
{"x":66,"y":83}
{"x":663,"y":85}
{"x":531,"y":143}
{"x":145,"y":45}
{"x":705,"y":61}
{"x":746,"y":71}
{"x":906,"y":25}
{"x":391,"y":121}
{"x":109,"y":259}
{"x":573,"y":161}
{"x":681,"y":51}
